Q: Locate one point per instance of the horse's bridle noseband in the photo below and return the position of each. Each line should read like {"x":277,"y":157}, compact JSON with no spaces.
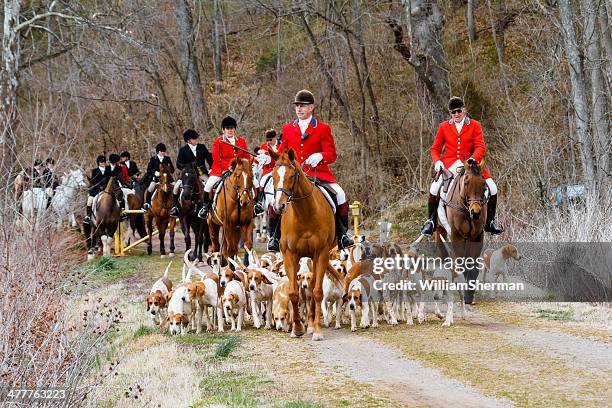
{"x":296,"y":179}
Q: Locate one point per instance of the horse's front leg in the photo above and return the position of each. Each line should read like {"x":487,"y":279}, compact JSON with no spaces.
{"x":149,"y":219}
{"x":317,"y":293}
{"x":291,"y":262}
{"x":162,"y":237}
{"x":186,"y":228}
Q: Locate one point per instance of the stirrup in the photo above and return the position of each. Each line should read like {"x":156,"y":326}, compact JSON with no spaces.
{"x":273,"y":244}
{"x":203,"y":212}
{"x":87,"y":220}
{"x":428,"y":228}
{"x":345,"y":241}
{"x":259,"y":209}
{"x":146,"y":206}
{"x":174,"y":212}
{"x":493,"y":229}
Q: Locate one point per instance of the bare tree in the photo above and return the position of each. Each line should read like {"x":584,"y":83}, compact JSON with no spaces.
{"x":195,"y":95}
{"x":470,"y":20}
{"x":217,"y":46}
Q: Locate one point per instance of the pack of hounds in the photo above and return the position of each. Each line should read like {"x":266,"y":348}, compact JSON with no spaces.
{"x":234,"y":293}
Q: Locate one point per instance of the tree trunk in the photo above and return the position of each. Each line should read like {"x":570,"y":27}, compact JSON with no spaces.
{"x":8,"y":86}
{"x":195,"y":97}
{"x":579,"y":98}
{"x":470,"y":20}
{"x":279,"y":41}
{"x":217,"y":46}
{"x":497,"y":30}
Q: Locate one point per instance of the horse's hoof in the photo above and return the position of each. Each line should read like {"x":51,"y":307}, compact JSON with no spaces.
{"x":171,"y":255}
{"x":90,"y":257}
{"x":317,"y":336}
{"x":297,"y":331}
{"x":446,"y":324}
{"x":309,"y":330}
{"x":162,"y":256}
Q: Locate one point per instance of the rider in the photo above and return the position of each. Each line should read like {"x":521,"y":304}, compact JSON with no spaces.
{"x":270,"y":143}
{"x":313,"y":143}
{"x":192,"y":152}
{"x":223,"y":152}
{"x":119,"y":171}
{"x":49,"y":179}
{"x":450,"y":134}
{"x":99,"y":179}
{"x":152,"y":175}
{"x":132,"y":169}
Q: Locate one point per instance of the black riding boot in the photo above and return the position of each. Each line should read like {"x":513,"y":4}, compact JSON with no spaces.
{"x":274,"y":230}
{"x":147,"y":197}
{"x":174,"y":212}
{"x":88,"y":216}
{"x":203,"y":213}
{"x":432,"y":215}
{"x":259,"y":203}
{"x":490,"y":224}
{"x":344,"y":240}
{"x":122,"y":207}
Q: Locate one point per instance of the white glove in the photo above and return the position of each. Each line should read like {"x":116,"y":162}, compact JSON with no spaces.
{"x":438,"y":166}
{"x":314,"y":159}
{"x":263,"y":159}
{"x":157,"y":174}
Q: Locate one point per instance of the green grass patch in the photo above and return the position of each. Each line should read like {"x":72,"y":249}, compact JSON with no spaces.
{"x":561,"y":315}
{"x":107,"y":269}
{"x":300,"y":404}
{"x":143,"y":331}
{"x":225,"y":347}
{"x":232,"y":389}
{"x":196,"y":340}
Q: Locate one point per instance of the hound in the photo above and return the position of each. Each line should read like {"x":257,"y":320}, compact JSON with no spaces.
{"x":180,"y":311}
{"x":305,"y":278}
{"x":207,"y":291}
{"x":282,"y":310}
{"x":332,"y":295}
{"x":361,"y":293}
{"x":157,"y":301}
{"x":234,"y":303}
{"x":496,"y":261}
{"x":259,"y":285}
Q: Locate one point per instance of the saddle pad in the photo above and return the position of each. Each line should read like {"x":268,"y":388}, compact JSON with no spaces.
{"x":126,"y":193}
{"x":94,"y":206}
{"x":328,"y":197}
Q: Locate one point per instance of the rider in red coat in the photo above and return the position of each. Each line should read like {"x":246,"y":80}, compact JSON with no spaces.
{"x":269,"y":144}
{"x":223,"y":152}
{"x":314,"y":147}
{"x":462,"y":139}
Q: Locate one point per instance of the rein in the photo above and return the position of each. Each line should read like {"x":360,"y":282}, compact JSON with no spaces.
{"x":296,"y":179}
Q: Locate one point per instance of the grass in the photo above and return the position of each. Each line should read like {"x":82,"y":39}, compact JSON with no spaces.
{"x":300,"y":404}
{"x":197,"y":340}
{"x":225,"y":347}
{"x":232,"y":389}
{"x":108,"y":269}
{"x":144,"y":331}
{"x":561,"y":315}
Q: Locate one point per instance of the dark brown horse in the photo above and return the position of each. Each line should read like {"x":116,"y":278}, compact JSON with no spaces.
{"x":233,"y":210}
{"x":307,"y":230}
{"x":107,"y":216}
{"x":466,"y":212}
{"x":161,"y":204}
{"x":192,"y":193}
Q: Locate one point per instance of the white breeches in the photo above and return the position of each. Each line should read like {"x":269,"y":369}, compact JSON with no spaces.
{"x":177,"y":186}
{"x":152,"y":186}
{"x":210,"y":183}
{"x":90,"y":200}
{"x":340,"y":195}
{"x":264,"y":179}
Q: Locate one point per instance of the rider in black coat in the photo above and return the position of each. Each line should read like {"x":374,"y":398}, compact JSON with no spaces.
{"x":98,"y":181}
{"x":152,"y":175}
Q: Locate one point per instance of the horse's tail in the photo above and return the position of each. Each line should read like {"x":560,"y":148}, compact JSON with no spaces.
{"x":167,"y":270}
{"x":334,"y":275}
{"x":140,"y":225}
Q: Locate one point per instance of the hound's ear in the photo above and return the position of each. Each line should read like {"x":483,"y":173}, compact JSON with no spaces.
{"x":233,"y":164}
{"x":208,"y":260}
{"x":291,"y":154}
{"x":163,"y":302}
{"x":170,"y":295}
{"x":223,"y":261}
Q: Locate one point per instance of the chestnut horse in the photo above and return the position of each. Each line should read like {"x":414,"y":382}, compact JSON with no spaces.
{"x":191,"y":194}
{"x":233,"y":210}
{"x":466,"y":212}
{"x":107,"y":216}
{"x":161,"y":204}
{"x":307,"y":230}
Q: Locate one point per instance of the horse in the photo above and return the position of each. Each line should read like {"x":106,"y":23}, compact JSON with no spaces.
{"x":134,"y":222}
{"x":161,"y":204}
{"x":307,"y":230}
{"x":261,"y":221}
{"x":466,"y":212}
{"x":192,"y":193}
{"x":233,"y":210}
{"x":63,"y":200}
{"x":107,"y":216}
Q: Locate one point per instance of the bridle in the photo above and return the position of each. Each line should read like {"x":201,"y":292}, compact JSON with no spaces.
{"x":466,"y":203}
{"x":236,"y":189}
{"x":296,"y":179}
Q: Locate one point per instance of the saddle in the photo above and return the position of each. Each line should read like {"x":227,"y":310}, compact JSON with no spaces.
{"x":328,"y":192}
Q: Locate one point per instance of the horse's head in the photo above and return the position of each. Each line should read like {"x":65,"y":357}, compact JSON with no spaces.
{"x":473,"y":188}
{"x":165,"y":180}
{"x":242,"y":180}
{"x":74,"y":179}
{"x":285,"y":176}
{"x":189,"y":178}
{"x":113,"y":188}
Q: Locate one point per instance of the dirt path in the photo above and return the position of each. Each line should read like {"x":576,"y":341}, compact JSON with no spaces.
{"x":407,"y":380}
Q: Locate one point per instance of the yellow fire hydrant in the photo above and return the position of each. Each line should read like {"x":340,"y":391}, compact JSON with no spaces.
{"x":355,"y":210}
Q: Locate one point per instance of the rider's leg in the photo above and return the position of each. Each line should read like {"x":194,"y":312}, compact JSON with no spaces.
{"x":148,"y":194}
{"x":174,"y":212}
{"x":491,"y":208}
{"x":274,"y":230}
{"x":89,"y":215}
{"x":260,"y":199}
{"x":203,"y":213}
{"x":344,"y":240}
{"x":432,"y":207}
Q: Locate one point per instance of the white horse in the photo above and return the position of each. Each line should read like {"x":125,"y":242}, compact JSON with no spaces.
{"x":261,"y":221}
{"x":34,"y":204}
{"x":63,"y":201}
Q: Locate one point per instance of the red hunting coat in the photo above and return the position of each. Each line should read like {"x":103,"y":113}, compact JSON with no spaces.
{"x":223,"y":154}
{"x":459,"y":146}
{"x":268,"y":167}
{"x":318,"y":139}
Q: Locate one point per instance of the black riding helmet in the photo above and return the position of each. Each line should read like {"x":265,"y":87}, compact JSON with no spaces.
{"x":228,"y":123}
{"x":190,"y":134}
{"x":113,"y":158}
{"x":101,"y":159}
{"x":160,"y":148}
